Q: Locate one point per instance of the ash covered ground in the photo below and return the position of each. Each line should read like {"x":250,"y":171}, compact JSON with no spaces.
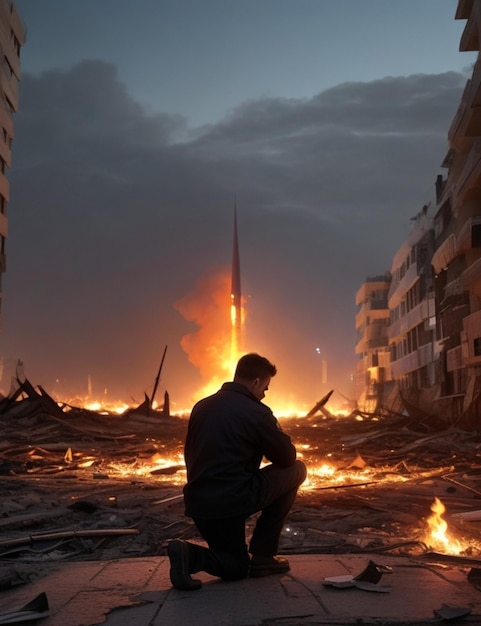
{"x":80,"y":485}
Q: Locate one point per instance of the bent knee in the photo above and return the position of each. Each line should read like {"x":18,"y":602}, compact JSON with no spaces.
{"x":301,"y":470}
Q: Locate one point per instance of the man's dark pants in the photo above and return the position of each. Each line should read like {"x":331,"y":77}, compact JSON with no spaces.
{"x":227,"y":556}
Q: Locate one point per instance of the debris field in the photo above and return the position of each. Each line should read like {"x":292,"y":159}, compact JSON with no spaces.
{"x":84,"y":485}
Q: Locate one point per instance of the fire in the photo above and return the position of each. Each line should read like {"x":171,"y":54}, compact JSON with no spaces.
{"x":103,"y":407}
{"x":218,"y":342}
{"x":325,"y":475}
{"x":439,"y":538}
{"x":214,"y":347}
{"x":317,"y":473}
{"x":167,"y":468}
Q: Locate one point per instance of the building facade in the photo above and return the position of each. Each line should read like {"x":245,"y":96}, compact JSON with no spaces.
{"x":373,"y":370}
{"x":12,"y":37}
{"x":457,"y":259}
{"x":434,"y":298}
{"x":412,"y":310}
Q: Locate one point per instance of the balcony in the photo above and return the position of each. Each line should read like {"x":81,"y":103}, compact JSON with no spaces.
{"x":453,"y":288}
{"x":455,"y":128}
{"x":372,"y":336}
{"x":470,"y":37}
{"x":371,"y":285}
{"x":5,"y":153}
{"x":422,"y":312}
{"x":413,"y":361}
{"x":8,"y":48}
{"x":10,"y":85}
{"x":473,"y":96}
{"x":471,"y":275}
{"x":471,"y":332}
{"x":374,"y":314}
{"x":377,"y":342}
{"x":454,"y":359}
{"x":377,"y":330}
{"x":361,"y":318}
{"x":444,"y":254}
{"x":464,"y":239}
{"x":467,"y":121}
{"x":3,"y":225}
{"x":4,"y":187}
{"x":470,"y":176}
{"x":464,"y":9}
{"x":398,"y":290}
{"x":6,"y":119}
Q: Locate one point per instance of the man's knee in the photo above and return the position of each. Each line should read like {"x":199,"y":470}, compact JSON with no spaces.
{"x":282,"y":480}
{"x":301,"y":471}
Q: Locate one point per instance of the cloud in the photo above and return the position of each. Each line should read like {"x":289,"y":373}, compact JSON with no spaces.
{"x":117,"y":213}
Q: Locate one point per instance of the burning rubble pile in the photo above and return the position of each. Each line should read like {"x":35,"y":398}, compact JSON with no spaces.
{"x":85,"y":485}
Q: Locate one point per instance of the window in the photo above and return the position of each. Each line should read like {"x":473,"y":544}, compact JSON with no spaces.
{"x":476,"y":236}
{"x":477,"y":346}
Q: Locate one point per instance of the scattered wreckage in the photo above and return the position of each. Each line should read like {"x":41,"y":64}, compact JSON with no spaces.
{"x":83,"y":485}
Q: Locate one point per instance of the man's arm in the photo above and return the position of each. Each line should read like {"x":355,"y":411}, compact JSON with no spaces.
{"x":277,"y":445}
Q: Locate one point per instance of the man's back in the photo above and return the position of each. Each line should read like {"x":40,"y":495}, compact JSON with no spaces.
{"x":227,"y":437}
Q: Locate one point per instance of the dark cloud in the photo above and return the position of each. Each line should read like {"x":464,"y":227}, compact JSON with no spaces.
{"x":116,"y":214}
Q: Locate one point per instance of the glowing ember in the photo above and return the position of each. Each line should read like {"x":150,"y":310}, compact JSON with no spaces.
{"x":439,"y":538}
{"x":107,"y":408}
{"x":324,"y":475}
{"x":169,"y":468}
{"x":324,"y":470}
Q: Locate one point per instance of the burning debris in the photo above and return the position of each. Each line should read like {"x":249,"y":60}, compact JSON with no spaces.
{"x":78,"y":484}
{"x":439,"y":537}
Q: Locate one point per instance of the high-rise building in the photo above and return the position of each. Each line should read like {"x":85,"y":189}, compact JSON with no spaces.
{"x":373,"y":370}
{"x":12,"y":37}
{"x":434,"y":298}
{"x":411,"y":306}
{"x":457,"y":225}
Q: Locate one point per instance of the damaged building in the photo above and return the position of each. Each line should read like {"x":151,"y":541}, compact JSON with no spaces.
{"x":12,"y":37}
{"x":434,"y":293}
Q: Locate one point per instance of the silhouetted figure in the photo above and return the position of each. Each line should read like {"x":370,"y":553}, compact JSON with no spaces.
{"x":228,"y":435}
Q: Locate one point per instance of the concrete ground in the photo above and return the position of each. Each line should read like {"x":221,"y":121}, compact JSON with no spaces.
{"x":137,"y":592}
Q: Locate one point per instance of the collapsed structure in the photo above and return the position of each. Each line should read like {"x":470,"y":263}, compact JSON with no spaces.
{"x":419,"y":325}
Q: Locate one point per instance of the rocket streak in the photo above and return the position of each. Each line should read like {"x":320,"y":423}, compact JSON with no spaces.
{"x":236,"y":295}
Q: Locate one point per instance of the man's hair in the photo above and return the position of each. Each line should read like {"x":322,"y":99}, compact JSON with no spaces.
{"x":252,"y":366}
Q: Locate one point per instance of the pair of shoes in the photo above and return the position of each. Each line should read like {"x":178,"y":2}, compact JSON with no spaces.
{"x":268,"y":565}
{"x":178,"y":552}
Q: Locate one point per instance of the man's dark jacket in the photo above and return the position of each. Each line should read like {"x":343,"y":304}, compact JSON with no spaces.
{"x":228,"y":435}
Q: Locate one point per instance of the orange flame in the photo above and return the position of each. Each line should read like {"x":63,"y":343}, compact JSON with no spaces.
{"x":439,"y":538}
{"x":213,"y":348}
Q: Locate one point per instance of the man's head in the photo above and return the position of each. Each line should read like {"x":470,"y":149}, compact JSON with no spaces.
{"x":255,"y":372}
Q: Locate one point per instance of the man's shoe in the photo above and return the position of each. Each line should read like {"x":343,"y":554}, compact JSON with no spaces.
{"x":178,"y":552}
{"x":268,"y":565}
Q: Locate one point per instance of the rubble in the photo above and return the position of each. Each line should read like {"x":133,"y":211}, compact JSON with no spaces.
{"x":83,"y":485}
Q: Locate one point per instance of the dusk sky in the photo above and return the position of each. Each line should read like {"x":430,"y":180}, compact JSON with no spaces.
{"x":141,"y":123}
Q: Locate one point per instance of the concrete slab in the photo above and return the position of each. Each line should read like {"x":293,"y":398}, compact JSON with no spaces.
{"x":137,"y":592}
